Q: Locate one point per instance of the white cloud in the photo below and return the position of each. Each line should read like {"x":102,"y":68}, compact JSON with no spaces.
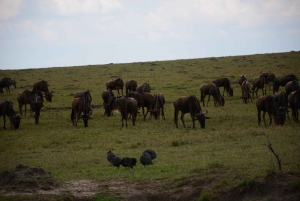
{"x":9,"y":8}
{"x":154,"y":36}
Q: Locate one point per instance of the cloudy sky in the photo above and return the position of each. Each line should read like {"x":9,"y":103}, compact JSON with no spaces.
{"x":54,"y":33}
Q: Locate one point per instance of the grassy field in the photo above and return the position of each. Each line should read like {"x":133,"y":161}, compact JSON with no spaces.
{"x":231,"y":143}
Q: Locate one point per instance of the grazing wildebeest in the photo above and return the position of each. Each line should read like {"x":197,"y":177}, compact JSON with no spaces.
{"x":143,"y":100}
{"x":26,"y":97}
{"x":42,"y":86}
{"x":143,"y":88}
{"x":80,"y":109}
{"x":267,"y":104}
{"x":281,"y":100}
{"x":6,"y":109}
{"x":246,"y":91}
{"x":294,"y":102}
{"x":281,"y":81}
{"x":107,"y":97}
{"x":116,"y":84}
{"x":189,"y":104}
{"x":126,"y":105}
{"x":224,"y":82}
{"x":291,"y":86}
{"x":7,"y":82}
{"x":159,"y":102}
{"x":260,"y":83}
{"x":35,"y":105}
{"x":271,"y":78}
{"x":211,"y":89}
{"x":130,"y":86}
{"x":88,"y":97}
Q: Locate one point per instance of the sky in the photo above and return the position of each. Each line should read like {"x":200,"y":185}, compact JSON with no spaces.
{"x":60,"y":33}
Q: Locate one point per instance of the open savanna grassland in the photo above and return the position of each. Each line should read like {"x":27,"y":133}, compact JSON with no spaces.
{"x":232,"y":147}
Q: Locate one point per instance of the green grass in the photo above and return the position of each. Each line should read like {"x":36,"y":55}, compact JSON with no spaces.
{"x":231,"y":143}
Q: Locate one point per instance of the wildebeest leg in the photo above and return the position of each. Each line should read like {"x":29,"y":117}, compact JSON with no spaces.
{"x":259,"y":117}
{"x":207,"y":100}
{"x":264,"y":115}
{"x":162,"y":113}
{"x":270,"y":116}
{"x":182,"y":120}
{"x":4,"y":120}
{"x":176,"y":117}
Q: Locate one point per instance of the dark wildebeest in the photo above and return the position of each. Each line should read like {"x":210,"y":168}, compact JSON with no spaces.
{"x":271,"y":78}
{"x":281,"y":100}
{"x":281,"y":81}
{"x":246,"y":91}
{"x":211,"y":89}
{"x":267,"y":104}
{"x":130,"y":86}
{"x":189,"y":104}
{"x":80,"y":109}
{"x":241,"y":80}
{"x":143,"y":100}
{"x":294,"y":101}
{"x":115,"y":85}
{"x":26,"y":97}
{"x":6,"y":109}
{"x":260,"y":83}
{"x":42,"y":86}
{"x":126,"y":105}
{"x":159,"y":102}
{"x":107,"y":97}
{"x":88,"y":97}
{"x":224,"y":82}
{"x":36,"y":104}
{"x":143,"y":88}
{"x":7,"y":82}
{"x":291,"y":86}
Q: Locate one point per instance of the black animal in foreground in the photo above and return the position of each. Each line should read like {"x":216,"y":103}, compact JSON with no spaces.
{"x":110,"y":155}
{"x":128,"y":162}
{"x":147,"y":156}
{"x":116,"y":161}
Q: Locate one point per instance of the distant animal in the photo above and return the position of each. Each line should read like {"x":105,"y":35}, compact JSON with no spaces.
{"x":110,"y":155}
{"x":7,"y":82}
{"x":267,"y":105}
{"x":130,"y":86}
{"x":80,"y":109}
{"x":294,"y":102}
{"x":211,"y":89}
{"x":189,"y":104}
{"x":116,"y":84}
{"x":246,"y":91}
{"x":143,"y":88}
{"x":143,"y":99}
{"x":145,"y":159}
{"x":128,"y":162}
{"x":88,"y":97}
{"x":281,"y":81}
{"x":42,"y":86}
{"x":291,"y":86}
{"x":35,"y":105}
{"x":224,"y":82}
{"x":126,"y":105}
{"x":271,"y":78}
{"x":107,"y":97}
{"x":6,"y":109}
{"x":116,"y":161}
{"x":260,"y":83}
{"x":281,"y":100}
{"x":241,"y":80}
{"x":159,"y":102}
{"x":26,"y":97}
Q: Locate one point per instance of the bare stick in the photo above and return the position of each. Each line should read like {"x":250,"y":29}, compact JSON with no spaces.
{"x":276,"y":155}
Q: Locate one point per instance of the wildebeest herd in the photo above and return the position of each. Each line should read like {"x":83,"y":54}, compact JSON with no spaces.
{"x":139,"y":97}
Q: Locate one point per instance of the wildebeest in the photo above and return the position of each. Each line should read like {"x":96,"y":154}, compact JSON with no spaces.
{"x":271,"y":78}
{"x":246,"y":91}
{"x":224,"y":82}
{"x":88,"y":97}
{"x":294,"y":102}
{"x":126,"y":105}
{"x":143,"y":88}
{"x":130,"y":86}
{"x":143,"y":100}
{"x":189,"y":104}
{"x":6,"y":109}
{"x":128,"y":162}
{"x":159,"y":102}
{"x":260,"y":83}
{"x":107,"y":97}
{"x":267,"y":104}
{"x":211,"y":89}
{"x":35,"y":105}
{"x":281,"y":100}
{"x":281,"y":81}
{"x":7,"y":82}
{"x":26,"y":97}
{"x":241,"y":80}
{"x":116,"y":84}
{"x":80,"y":109}
{"x":42,"y":86}
{"x":291,"y":86}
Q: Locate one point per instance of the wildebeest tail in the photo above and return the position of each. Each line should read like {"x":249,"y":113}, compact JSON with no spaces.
{"x":72,"y":115}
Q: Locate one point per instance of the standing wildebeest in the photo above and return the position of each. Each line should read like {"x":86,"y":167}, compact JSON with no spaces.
{"x":267,"y":104}
{"x":246,"y":91}
{"x":271,"y":78}
{"x":26,"y":97}
{"x":6,"y":109}
{"x":42,"y":86}
{"x":126,"y":105}
{"x":224,"y":82}
{"x":260,"y":83}
{"x":88,"y":97}
{"x":159,"y":102}
{"x":294,"y":101}
{"x":143,"y":88}
{"x":36,"y":104}
{"x":7,"y":82}
{"x":107,"y":97}
{"x":130,"y":86}
{"x":189,"y":104}
{"x":80,"y":109}
{"x":291,"y":86}
{"x":281,"y":81}
{"x":241,"y":80}
{"x":281,"y":100}
{"x":211,"y":89}
{"x":115,"y":85}
{"x":143,"y":100}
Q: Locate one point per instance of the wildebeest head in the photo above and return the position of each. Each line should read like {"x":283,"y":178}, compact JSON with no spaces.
{"x":242,"y":79}
{"x":15,"y":121}
{"x":280,"y":116}
{"x":48,"y":96}
{"x":201,"y":117}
